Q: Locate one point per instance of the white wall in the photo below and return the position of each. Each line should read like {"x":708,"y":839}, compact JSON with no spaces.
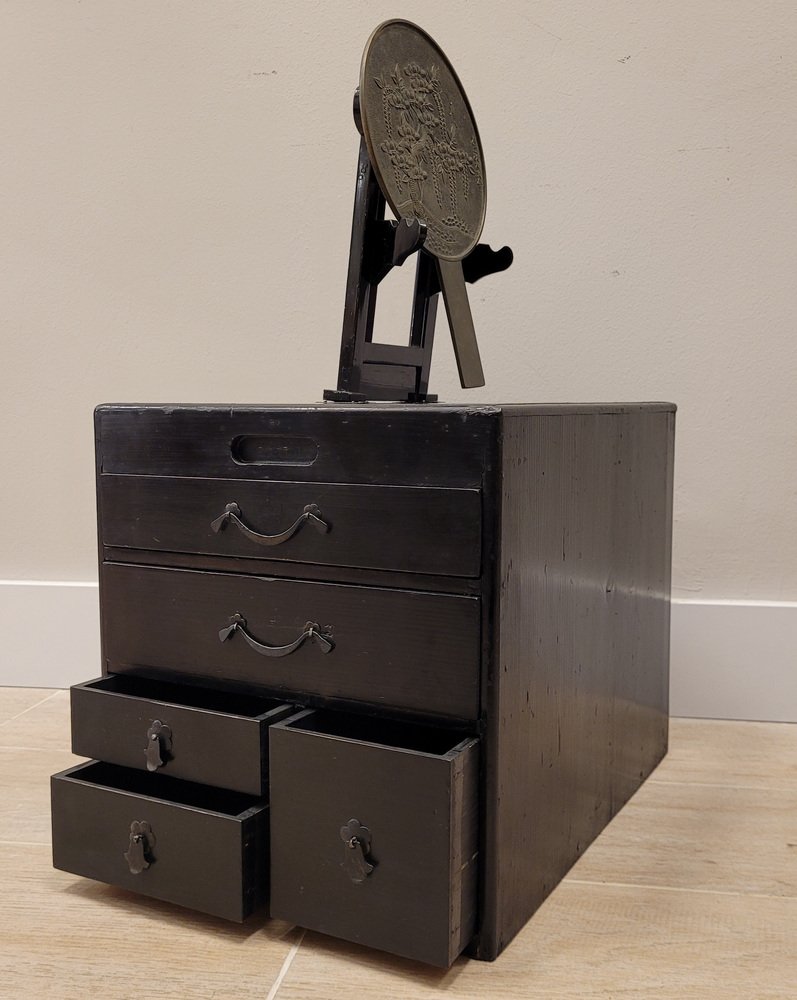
{"x":177,"y":182}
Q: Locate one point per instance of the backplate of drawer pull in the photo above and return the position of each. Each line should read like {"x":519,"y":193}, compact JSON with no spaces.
{"x":139,"y":852}
{"x":357,"y":839}
{"x":233,"y":515}
{"x":311,"y":631}
{"x":159,"y":745}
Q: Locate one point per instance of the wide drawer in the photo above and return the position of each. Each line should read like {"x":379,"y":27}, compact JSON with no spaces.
{"x":200,"y":847}
{"x":374,"y":833}
{"x":210,"y":737}
{"x":435,"y":531}
{"x":403,"y":649}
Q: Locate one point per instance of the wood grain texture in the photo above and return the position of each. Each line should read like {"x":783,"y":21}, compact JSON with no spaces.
{"x":577,"y":709}
{"x":397,"y":648}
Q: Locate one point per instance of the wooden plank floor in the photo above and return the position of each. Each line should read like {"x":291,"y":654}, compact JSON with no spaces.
{"x":690,"y":893}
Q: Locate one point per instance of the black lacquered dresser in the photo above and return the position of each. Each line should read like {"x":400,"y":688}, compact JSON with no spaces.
{"x":384,"y":669}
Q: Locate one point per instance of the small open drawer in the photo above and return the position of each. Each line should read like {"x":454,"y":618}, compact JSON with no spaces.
{"x":189,"y":844}
{"x":211,"y":737}
{"x":374,"y":832}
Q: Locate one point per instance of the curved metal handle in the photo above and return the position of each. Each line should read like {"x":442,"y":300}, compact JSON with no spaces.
{"x":232,"y":514}
{"x":311,"y":631}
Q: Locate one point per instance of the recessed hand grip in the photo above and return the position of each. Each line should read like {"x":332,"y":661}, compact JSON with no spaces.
{"x":232,"y":515}
{"x":311,"y":631}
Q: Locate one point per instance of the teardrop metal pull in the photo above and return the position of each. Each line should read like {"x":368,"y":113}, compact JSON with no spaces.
{"x":159,"y":745}
{"x":139,"y":851}
{"x":357,"y":841}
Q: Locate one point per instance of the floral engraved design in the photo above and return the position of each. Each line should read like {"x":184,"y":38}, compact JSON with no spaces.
{"x":433,"y":172}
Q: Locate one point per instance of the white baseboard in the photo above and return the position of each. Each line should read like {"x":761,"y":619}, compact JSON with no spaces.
{"x":729,"y":659}
{"x":734,"y":660}
{"x":51,"y":633}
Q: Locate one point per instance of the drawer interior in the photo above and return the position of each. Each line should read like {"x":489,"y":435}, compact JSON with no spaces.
{"x":161,"y":786}
{"x":409,"y":736}
{"x":188,"y":695}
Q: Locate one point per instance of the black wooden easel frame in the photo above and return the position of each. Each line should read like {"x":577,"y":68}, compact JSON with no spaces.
{"x":370,"y":370}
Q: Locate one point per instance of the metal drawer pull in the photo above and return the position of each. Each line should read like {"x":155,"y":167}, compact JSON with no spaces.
{"x":159,"y":745}
{"x":311,"y":631}
{"x":139,"y":852}
{"x":232,"y":514}
{"x":357,"y":839}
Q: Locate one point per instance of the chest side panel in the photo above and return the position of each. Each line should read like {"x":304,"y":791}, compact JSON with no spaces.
{"x":578,"y":697}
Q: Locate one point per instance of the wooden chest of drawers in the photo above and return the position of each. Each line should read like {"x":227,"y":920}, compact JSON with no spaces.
{"x":401,"y":664}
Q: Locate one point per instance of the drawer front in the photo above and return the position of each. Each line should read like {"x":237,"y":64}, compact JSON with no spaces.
{"x":402,"y":649}
{"x":210,"y":737}
{"x":402,"y":445}
{"x":184,"y":843}
{"x":435,"y":531}
{"x":406,"y":883}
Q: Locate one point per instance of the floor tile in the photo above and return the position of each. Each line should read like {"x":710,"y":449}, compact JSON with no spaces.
{"x":700,"y":837}
{"x":43,"y":727}
{"x":25,"y":792}
{"x":64,"y":937}
{"x":761,"y":754}
{"x":14,"y":700}
{"x":586,"y":943}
